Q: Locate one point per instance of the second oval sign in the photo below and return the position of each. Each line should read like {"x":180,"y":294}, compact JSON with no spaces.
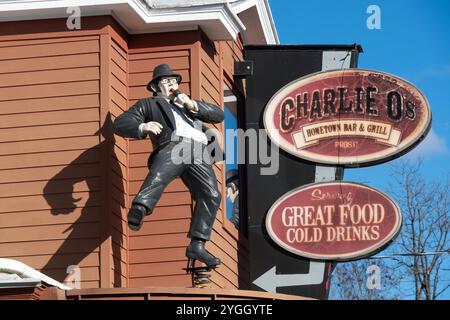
{"x":334,"y":221}
{"x":347,"y":117}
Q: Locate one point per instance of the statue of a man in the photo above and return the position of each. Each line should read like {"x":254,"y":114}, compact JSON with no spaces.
{"x":173,"y":120}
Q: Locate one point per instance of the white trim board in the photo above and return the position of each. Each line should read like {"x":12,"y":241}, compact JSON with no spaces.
{"x":220,"y":20}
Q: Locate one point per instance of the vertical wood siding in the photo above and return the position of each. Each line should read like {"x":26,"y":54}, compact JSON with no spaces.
{"x":119,"y":165}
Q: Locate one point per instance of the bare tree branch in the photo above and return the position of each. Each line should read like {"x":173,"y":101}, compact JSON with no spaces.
{"x":419,"y":255}
{"x":426,"y":225}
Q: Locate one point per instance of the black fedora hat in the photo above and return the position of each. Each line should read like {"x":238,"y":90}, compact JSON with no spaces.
{"x":162,"y":70}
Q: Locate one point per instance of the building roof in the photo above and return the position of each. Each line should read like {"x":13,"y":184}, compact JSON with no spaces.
{"x":219,"y":19}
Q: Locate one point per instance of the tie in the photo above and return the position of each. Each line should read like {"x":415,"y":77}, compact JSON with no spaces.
{"x":182,"y":113}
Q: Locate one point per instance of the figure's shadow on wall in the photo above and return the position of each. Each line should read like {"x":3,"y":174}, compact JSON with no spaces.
{"x":79,"y":255}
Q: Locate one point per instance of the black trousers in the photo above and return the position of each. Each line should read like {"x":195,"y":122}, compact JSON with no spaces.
{"x":196,"y":174}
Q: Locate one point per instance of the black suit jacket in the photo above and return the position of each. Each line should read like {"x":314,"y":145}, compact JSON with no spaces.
{"x":159,"y":110}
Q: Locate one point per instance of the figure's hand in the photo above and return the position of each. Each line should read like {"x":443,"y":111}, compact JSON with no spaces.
{"x":152,"y":127}
{"x":186,"y":102}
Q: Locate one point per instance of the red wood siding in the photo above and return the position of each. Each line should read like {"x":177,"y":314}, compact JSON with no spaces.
{"x":50,"y":157}
{"x":119,"y":164}
{"x":216,"y":61}
{"x":156,"y":252}
{"x":66,"y":183}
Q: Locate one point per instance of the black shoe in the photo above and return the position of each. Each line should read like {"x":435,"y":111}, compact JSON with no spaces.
{"x":196,"y":251}
{"x":136,"y":217}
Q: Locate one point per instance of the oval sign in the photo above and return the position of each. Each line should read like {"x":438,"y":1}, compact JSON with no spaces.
{"x":347,"y":117}
{"x":334,"y":221}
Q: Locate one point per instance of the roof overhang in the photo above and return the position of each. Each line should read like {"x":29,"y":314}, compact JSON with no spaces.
{"x":256,"y":13}
{"x":220,"y":20}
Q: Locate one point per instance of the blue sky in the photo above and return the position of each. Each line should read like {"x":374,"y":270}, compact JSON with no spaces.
{"x":413,"y":43}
